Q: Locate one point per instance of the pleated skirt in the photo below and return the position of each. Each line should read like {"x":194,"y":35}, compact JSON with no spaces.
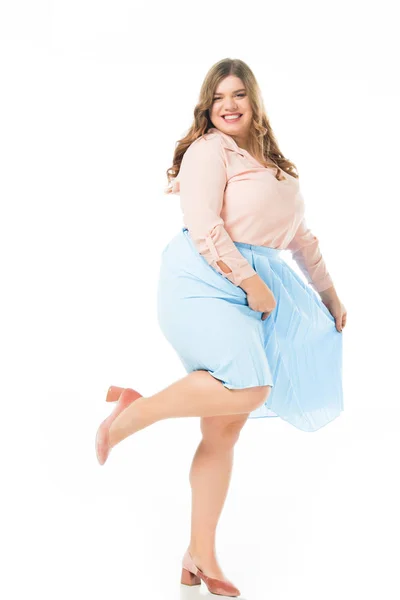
{"x":296,"y":350}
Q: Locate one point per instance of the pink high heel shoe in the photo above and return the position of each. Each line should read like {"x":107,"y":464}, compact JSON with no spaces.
{"x":125,"y":397}
{"x":192,"y":575}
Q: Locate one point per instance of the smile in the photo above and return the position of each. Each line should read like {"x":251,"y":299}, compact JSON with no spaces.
{"x":229,"y":118}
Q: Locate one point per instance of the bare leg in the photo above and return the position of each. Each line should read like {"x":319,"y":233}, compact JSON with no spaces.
{"x":210,"y":476}
{"x":199,"y":394}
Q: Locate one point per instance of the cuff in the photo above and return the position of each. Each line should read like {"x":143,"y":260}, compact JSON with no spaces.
{"x":241,"y":269}
{"x":322,"y":284}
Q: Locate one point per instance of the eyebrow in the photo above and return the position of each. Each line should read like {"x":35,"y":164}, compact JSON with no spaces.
{"x":220,"y":93}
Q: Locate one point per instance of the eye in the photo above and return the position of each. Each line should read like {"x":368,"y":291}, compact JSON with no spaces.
{"x":242,"y":95}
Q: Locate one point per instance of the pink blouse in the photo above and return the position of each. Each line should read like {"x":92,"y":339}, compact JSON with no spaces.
{"x":226,"y":195}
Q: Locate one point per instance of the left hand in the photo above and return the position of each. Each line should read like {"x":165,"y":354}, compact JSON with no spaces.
{"x":335,"y":307}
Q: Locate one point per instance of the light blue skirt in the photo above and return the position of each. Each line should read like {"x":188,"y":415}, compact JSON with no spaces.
{"x":296,"y":350}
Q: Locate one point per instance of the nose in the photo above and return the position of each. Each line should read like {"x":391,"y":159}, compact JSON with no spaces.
{"x":230,"y":109}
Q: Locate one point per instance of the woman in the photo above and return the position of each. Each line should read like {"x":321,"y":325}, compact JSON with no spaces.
{"x":255,"y":339}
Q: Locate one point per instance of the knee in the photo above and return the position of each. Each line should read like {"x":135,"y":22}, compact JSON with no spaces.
{"x":222,"y":431}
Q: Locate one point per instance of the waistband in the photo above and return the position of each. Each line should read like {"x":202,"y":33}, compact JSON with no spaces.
{"x":265,"y":250}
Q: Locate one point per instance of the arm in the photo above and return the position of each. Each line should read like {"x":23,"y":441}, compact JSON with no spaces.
{"x":306,"y":252}
{"x":202,"y":178}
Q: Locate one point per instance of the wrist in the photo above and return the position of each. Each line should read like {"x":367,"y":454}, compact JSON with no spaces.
{"x":250,"y":282}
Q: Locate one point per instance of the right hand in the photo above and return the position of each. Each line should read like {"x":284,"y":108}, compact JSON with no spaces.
{"x":259,"y":297}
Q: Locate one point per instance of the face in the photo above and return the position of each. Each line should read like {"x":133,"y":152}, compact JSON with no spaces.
{"x":230,"y":97}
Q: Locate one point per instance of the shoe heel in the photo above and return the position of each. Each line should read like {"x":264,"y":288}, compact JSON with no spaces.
{"x":114,"y":393}
{"x":189,"y":578}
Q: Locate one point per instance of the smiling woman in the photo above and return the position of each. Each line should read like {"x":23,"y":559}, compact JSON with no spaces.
{"x":254,"y":337}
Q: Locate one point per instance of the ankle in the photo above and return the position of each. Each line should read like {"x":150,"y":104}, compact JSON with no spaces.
{"x":204,"y":551}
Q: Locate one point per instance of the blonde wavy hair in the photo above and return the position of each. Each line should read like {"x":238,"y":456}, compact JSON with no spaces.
{"x":262,"y":143}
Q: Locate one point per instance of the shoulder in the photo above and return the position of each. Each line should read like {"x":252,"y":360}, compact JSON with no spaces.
{"x":207,"y":152}
{"x":204,"y":157}
{"x":206,"y":145}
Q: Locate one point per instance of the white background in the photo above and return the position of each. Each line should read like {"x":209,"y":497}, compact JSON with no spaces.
{"x":94,"y":97}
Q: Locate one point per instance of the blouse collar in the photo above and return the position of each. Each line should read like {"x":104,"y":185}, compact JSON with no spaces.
{"x":229,"y":142}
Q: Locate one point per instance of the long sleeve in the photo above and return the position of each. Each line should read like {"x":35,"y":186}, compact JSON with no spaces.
{"x":306,"y":252}
{"x":202,"y":181}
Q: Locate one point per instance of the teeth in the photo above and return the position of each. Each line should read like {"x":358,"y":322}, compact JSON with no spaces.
{"x":232,"y":118}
